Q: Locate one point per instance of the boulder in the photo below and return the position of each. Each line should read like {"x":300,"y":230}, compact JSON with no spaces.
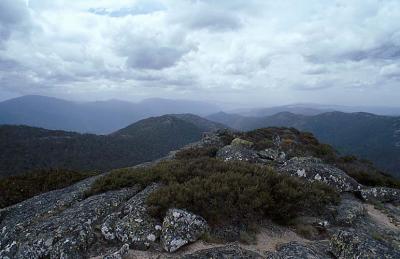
{"x":181,"y":227}
{"x":382,"y":194}
{"x":351,"y":243}
{"x":313,"y":169}
{"x":272,"y":154}
{"x":132,"y":224}
{"x":224,"y":252}
{"x":242,"y":143}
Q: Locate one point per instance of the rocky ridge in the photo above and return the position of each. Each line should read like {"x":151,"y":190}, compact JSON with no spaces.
{"x":66,"y":223}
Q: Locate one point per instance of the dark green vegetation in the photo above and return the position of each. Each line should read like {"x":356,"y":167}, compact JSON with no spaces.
{"x":25,"y":148}
{"x":15,"y":189}
{"x":223,"y":192}
{"x":372,"y":137}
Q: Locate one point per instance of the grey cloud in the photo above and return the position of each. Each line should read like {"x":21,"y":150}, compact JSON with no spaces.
{"x":315,"y":71}
{"x":201,"y":47}
{"x":14,"y":15}
{"x":214,"y":20}
{"x":9,"y":65}
{"x":391,"y":71}
{"x":388,"y":51}
{"x":213,"y":16}
{"x":154,"y":57}
{"x":384,"y":51}
{"x":140,"y":7}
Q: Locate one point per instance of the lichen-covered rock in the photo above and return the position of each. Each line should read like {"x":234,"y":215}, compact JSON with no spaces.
{"x":350,"y":243}
{"x":313,"y":169}
{"x":224,"y":252}
{"x":242,"y":143}
{"x":382,"y":194}
{"x":132,"y":224}
{"x":272,"y":154}
{"x":69,"y":233}
{"x":181,"y":227}
{"x":238,"y":153}
{"x":296,"y":250}
{"x":17,"y":218}
{"x":20,"y":223}
{"x":120,"y":254}
{"x":348,"y":211}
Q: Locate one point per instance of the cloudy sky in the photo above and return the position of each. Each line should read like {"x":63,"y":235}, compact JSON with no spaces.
{"x":251,"y":52}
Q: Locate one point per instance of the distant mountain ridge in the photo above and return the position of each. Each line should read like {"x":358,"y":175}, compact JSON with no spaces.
{"x":24,"y":148}
{"x":369,"y":136}
{"x":100,"y":117}
{"x":311,"y":109}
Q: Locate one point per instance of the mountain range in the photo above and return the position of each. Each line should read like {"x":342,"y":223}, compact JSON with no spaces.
{"x":100,"y":117}
{"x":369,"y":136}
{"x":25,"y":148}
{"x":315,"y":109}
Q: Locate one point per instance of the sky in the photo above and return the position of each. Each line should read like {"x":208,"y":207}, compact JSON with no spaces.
{"x":254,"y":53}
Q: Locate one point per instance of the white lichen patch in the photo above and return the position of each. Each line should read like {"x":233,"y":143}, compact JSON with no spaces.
{"x":301,"y":173}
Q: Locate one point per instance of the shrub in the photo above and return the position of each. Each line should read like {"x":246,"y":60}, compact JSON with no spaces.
{"x":223,"y":192}
{"x":15,"y":189}
{"x":196,"y":152}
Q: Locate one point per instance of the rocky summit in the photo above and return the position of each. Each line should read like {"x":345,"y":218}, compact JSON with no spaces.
{"x":156,"y":210}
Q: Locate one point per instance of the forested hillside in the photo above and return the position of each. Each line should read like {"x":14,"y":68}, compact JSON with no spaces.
{"x":25,"y":148}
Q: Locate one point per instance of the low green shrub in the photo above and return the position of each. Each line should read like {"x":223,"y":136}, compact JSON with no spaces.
{"x":15,"y":189}
{"x":223,"y":192}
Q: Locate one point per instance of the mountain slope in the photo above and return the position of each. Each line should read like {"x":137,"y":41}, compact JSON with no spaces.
{"x":25,"y":148}
{"x":101,"y":117}
{"x":373,"y":137}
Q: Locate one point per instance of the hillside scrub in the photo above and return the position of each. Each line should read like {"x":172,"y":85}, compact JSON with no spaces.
{"x":223,"y":192}
{"x":15,"y":189}
{"x":291,"y":141}
{"x":297,"y":143}
{"x":365,"y":173}
{"x":191,"y":153}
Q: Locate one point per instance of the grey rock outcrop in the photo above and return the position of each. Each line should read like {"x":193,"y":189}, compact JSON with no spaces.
{"x":181,"y":227}
{"x":382,"y":194}
{"x":238,"y":153}
{"x":348,"y":211}
{"x":67,"y":234}
{"x":132,"y":224}
{"x":224,"y":252}
{"x":351,"y":243}
{"x":313,"y":169}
